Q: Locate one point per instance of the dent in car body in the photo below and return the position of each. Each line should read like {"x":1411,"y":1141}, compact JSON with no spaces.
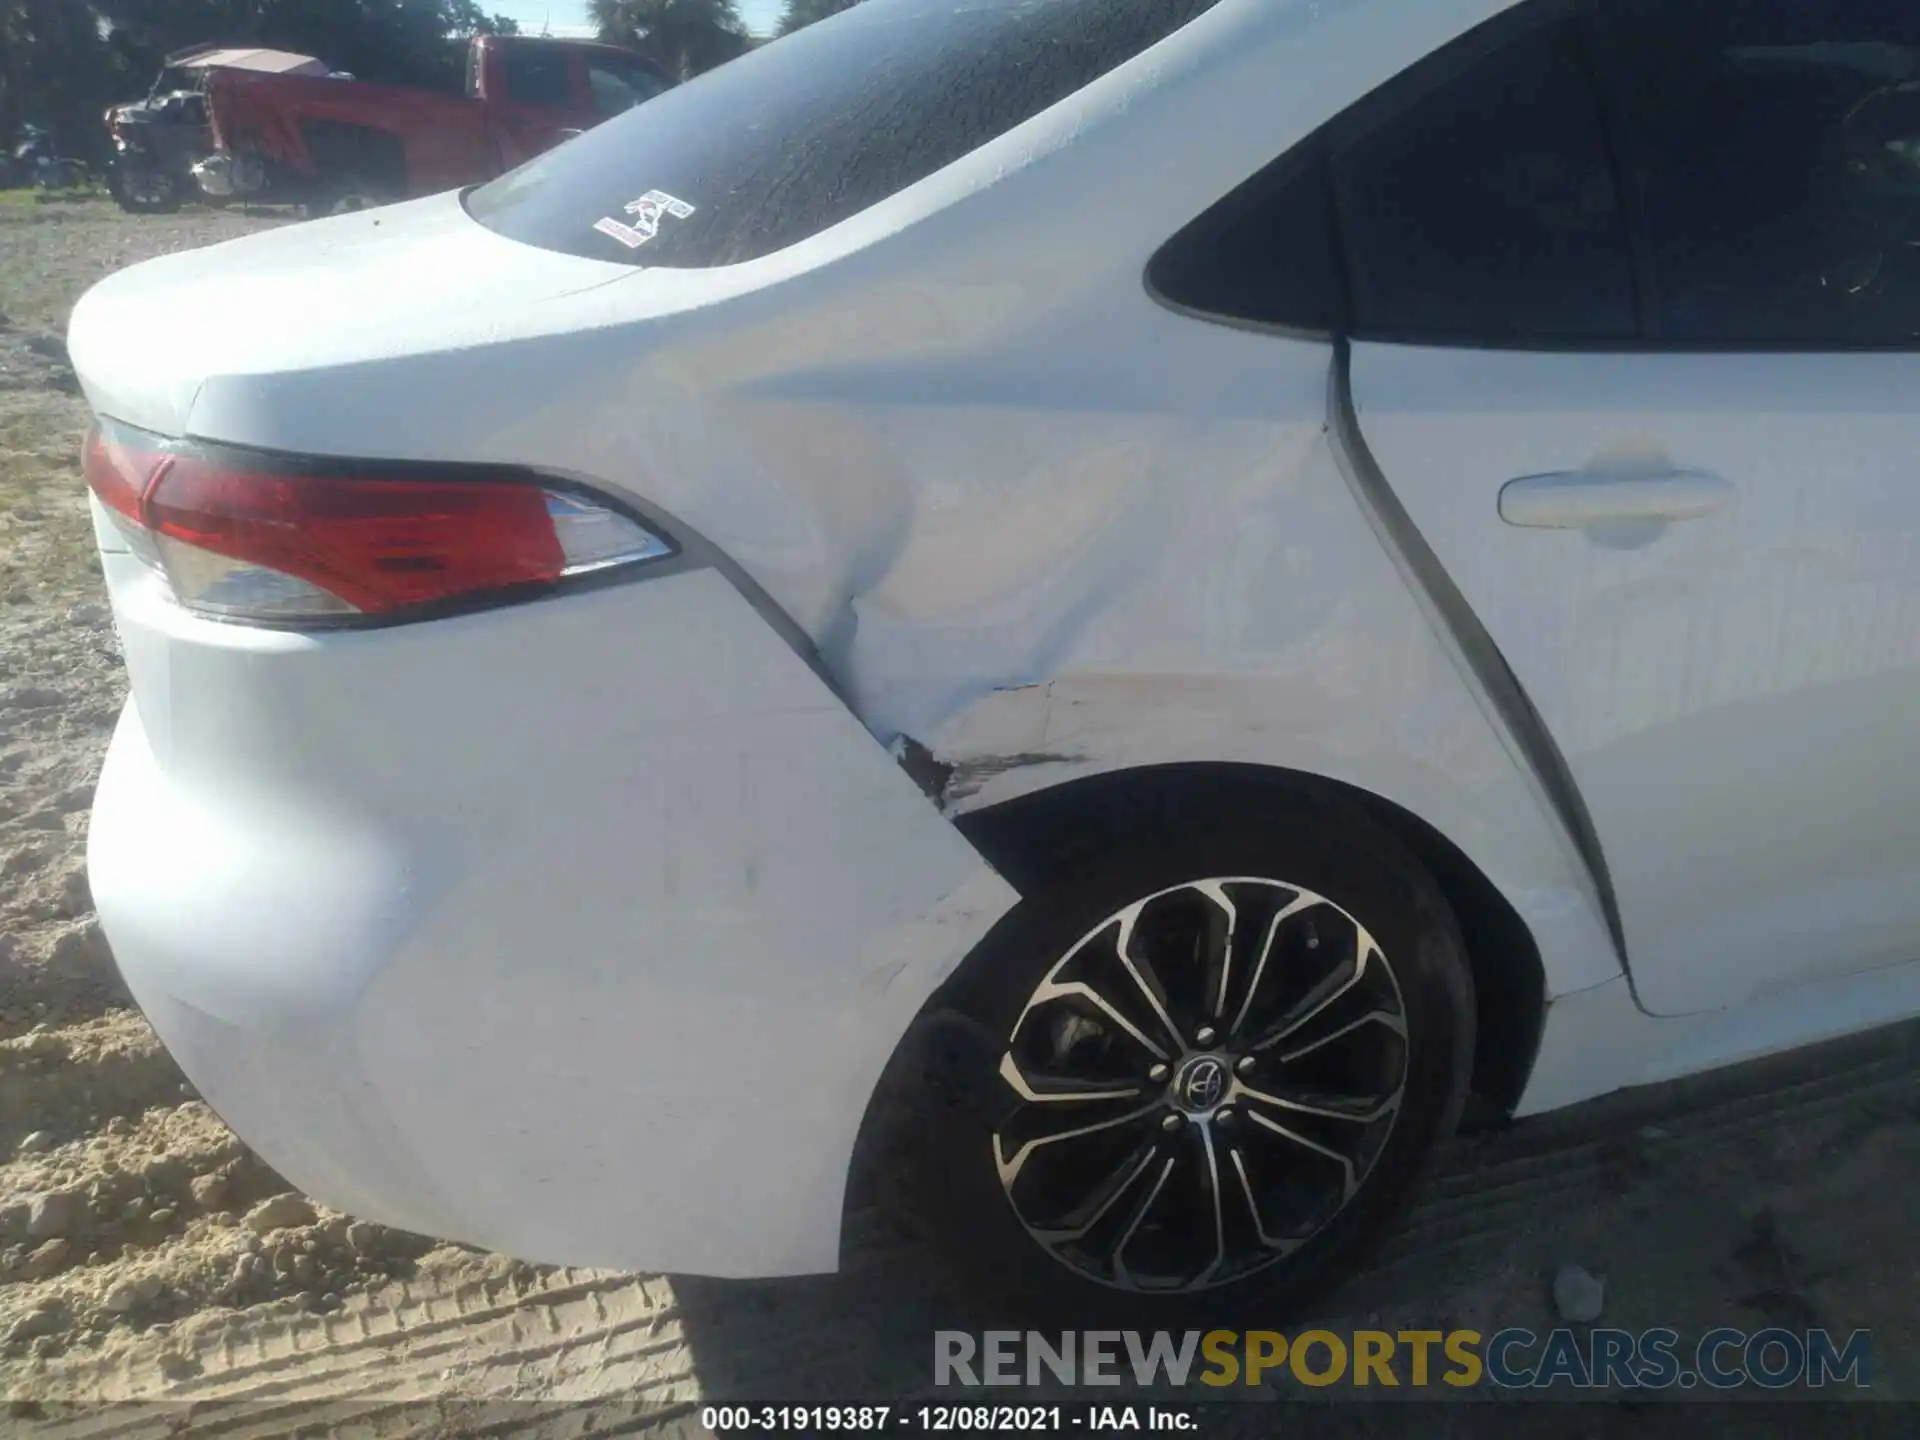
{"x":1017,"y":508}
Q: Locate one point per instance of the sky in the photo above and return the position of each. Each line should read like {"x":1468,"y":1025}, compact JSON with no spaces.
{"x":569,"y":17}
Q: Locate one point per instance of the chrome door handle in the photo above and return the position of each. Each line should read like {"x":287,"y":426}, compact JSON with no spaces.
{"x":1576,"y":499}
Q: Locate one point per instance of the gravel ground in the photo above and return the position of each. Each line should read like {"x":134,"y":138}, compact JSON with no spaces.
{"x":145,"y":1253}
{"x":124,"y":1204}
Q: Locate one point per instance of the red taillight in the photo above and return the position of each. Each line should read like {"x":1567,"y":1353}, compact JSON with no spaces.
{"x":270,"y":538}
{"x":379,"y":545}
{"x":117,"y":472}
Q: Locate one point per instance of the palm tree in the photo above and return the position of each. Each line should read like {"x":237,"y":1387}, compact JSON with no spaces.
{"x":801,"y":13}
{"x":686,"y":36}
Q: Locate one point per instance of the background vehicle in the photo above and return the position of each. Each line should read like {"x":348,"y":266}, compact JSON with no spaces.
{"x":1189,"y":626}
{"x":339,"y":145}
{"x":34,"y":161}
{"x":157,"y":141}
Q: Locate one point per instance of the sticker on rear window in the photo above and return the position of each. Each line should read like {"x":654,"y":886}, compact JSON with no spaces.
{"x":646,"y":212}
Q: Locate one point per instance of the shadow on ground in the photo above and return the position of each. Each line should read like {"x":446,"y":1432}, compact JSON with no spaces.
{"x":1778,"y":1193}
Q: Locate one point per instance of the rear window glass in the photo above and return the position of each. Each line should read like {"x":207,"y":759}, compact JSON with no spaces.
{"x":803,"y":133}
{"x":536,"y":77}
{"x":618,"y":85}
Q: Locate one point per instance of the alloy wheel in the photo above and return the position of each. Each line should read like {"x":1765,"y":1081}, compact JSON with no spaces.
{"x":1201,"y":1085}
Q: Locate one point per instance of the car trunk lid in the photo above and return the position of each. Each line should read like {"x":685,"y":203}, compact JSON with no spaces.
{"x":146,"y":341}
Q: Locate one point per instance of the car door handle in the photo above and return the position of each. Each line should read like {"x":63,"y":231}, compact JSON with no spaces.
{"x":1575,"y":499}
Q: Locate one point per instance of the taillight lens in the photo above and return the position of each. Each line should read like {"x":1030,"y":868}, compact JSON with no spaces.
{"x":287,"y":540}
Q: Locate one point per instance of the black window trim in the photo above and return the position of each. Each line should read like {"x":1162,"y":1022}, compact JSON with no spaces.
{"x":1310,"y":152}
{"x":1598,"y":52}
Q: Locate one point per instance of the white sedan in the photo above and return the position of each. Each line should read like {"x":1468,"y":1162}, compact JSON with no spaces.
{"x":1204,"y":584}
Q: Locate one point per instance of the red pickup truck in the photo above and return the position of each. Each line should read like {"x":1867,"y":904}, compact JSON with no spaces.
{"x":335,"y":144}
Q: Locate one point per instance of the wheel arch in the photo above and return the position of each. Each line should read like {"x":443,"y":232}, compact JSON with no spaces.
{"x":1027,"y":837}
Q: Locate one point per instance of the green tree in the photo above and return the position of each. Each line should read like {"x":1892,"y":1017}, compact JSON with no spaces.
{"x":801,"y":13}
{"x":465,"y":19}
{"x":686,"y":36}
{"x":56,"y":71}
{"x":403,"y":42}
{"x":13,"y":67}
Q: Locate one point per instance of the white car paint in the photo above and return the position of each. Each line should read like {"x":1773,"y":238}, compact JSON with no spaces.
{"x":1727,"y":686}
{"x":522,"y":928}
{"x":518,"y":946}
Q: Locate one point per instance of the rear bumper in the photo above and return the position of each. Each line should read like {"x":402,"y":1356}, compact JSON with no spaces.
{"x":579,"y":930}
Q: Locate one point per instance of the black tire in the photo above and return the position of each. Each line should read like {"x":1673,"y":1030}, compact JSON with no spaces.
{"x":1319,"y":847}
{"x":156,"y":194}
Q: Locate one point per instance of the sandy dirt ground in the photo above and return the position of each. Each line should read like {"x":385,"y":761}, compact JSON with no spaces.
{"x":146,"y":1255}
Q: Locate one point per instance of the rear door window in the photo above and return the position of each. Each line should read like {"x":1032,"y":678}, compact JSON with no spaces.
{"x":1471,"y":200}
{"x":1775,"y":151}
{"x":808,"y":131}
{"x":1483,"y":209}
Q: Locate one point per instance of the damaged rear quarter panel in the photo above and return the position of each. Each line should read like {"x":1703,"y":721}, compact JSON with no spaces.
{"x":1077,"y":591}
{"x":1024,"y":515}
{"x":1012,"y":541}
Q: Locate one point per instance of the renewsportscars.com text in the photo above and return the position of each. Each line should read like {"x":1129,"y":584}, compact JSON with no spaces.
{"x":1724,"y":1359}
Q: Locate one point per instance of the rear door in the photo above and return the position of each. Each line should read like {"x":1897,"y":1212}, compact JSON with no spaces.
{"x":1635,"y":298}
